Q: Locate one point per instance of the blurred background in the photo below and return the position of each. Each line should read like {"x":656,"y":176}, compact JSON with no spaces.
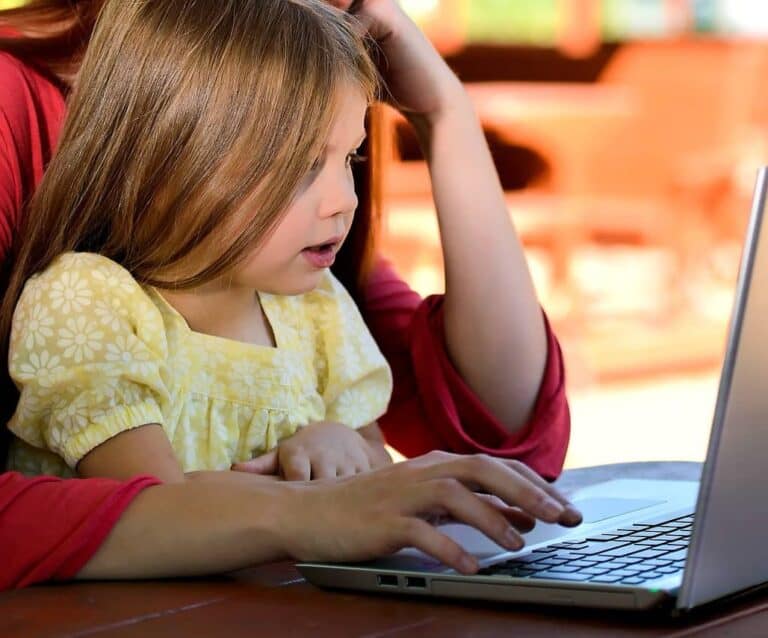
{"x":627,"y":134}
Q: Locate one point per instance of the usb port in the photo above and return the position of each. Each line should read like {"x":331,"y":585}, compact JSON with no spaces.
{"x":386,"y":581}
{"x":416,"y":582}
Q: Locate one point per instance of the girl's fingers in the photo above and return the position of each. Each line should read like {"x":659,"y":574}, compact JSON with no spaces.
{"x":324,"y":471}
{"x":264,"y":464}
{"x":296,"y":468}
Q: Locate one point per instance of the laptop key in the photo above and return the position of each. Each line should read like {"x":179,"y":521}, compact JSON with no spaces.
{"x":668,"y":570}
{"x":651,"y":575}
{"x":602,"y":537}
{"x":544,"y":564}
{"x":563,"y":569}
{"x":545,"y":550}
{"x":607,"y":578}
{"x":623,"y":551}
{"x":626,"y":560}
{"x":632,"y":581}
{"x":575,"y":576}
{"x":648,"y":553}
{"x":599,"y":548}
{"x":625,"y":572}
{"x":583,"y":563}
{"x":652,"y":543}
{"x":612,"y":565}
{"x":569,"y":555}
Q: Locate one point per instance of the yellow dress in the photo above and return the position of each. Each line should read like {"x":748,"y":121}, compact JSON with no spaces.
{"x":94,"y":354}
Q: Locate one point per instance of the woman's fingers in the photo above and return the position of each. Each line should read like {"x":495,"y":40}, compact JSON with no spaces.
{"x":522,"y":522}
{"x":452,"y":498}
{"x":496,"y":477}
{"x":571,"y":515}
{"x":412,"y":532}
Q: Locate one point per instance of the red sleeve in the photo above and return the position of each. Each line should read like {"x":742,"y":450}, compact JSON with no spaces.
{"x":50,"y":528}
{"x":31,"y":113}
{"x":432,"y":407}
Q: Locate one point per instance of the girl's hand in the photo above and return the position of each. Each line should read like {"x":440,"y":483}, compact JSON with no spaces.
{"x":374,"y":514}
{"x":418,"y":79}
{"x":320,"y":451}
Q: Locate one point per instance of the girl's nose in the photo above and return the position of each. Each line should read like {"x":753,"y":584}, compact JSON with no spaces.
{"x":340,"y":197}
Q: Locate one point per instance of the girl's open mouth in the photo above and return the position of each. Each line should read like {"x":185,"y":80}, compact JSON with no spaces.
{"x":322,"y":255}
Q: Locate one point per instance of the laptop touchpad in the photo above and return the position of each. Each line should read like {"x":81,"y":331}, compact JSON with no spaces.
{"x":599,"y":509}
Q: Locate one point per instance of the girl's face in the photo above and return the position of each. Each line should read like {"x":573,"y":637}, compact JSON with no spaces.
{"x":304,"y":243}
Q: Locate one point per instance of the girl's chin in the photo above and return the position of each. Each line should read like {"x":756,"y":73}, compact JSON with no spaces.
{"x":297,"y":285}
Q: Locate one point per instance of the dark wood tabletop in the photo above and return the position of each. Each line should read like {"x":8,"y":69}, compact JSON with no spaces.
{"x":273,"y":600}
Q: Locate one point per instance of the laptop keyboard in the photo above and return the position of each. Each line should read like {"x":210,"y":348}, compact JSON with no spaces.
{"x":629,"y":556}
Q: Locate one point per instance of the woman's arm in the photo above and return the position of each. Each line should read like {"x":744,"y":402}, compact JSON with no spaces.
{"x":432,"y":406}
{"x":225,"y":520}
{"x":494,"y":329}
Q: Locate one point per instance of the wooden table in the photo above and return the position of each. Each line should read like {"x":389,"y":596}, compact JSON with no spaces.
{"x":274,"y":600}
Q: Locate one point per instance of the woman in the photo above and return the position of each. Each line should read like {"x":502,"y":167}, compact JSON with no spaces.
{"x":477,"y":370}
{"x":390,"y":503}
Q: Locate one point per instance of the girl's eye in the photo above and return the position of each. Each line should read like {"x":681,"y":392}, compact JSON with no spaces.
{"x":355,"y":158}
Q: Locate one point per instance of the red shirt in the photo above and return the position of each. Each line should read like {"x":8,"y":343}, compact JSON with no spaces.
{"x":431,"y":407}
{"x":51,"y":527}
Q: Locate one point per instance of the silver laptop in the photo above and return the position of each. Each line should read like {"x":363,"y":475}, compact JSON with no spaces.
{"x":643,"y":543}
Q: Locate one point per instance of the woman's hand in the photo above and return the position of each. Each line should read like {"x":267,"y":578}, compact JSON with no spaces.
{"x":322,"y":450}
{"x":222,"y":521}
{"x":374,"y":514}
{"x":417,"y":78}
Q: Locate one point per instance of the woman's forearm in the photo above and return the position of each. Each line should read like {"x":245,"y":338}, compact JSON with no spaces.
{"x":216,"y":522}
{"x":494,"y":327}
{"x":219,"y":521}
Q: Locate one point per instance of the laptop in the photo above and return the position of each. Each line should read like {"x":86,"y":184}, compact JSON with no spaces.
{"x":643,"y":543}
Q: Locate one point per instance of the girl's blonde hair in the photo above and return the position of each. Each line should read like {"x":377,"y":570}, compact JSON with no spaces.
{"x":183,"y":109}
{"x":181,"y":112}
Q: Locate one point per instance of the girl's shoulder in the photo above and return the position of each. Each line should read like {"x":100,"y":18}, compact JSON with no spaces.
{"x":88,"y":266}
{"x":78,"y":282}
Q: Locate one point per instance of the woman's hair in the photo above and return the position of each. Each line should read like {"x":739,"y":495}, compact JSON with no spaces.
{"x":183,"y":113}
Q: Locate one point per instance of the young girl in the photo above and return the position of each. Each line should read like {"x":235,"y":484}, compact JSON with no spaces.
{"x":182,"y":316}
{"x":161,"y":533}
{"x":475,"y":370}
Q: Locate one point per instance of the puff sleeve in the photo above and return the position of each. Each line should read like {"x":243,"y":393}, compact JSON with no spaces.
{"x":88,"y":354}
